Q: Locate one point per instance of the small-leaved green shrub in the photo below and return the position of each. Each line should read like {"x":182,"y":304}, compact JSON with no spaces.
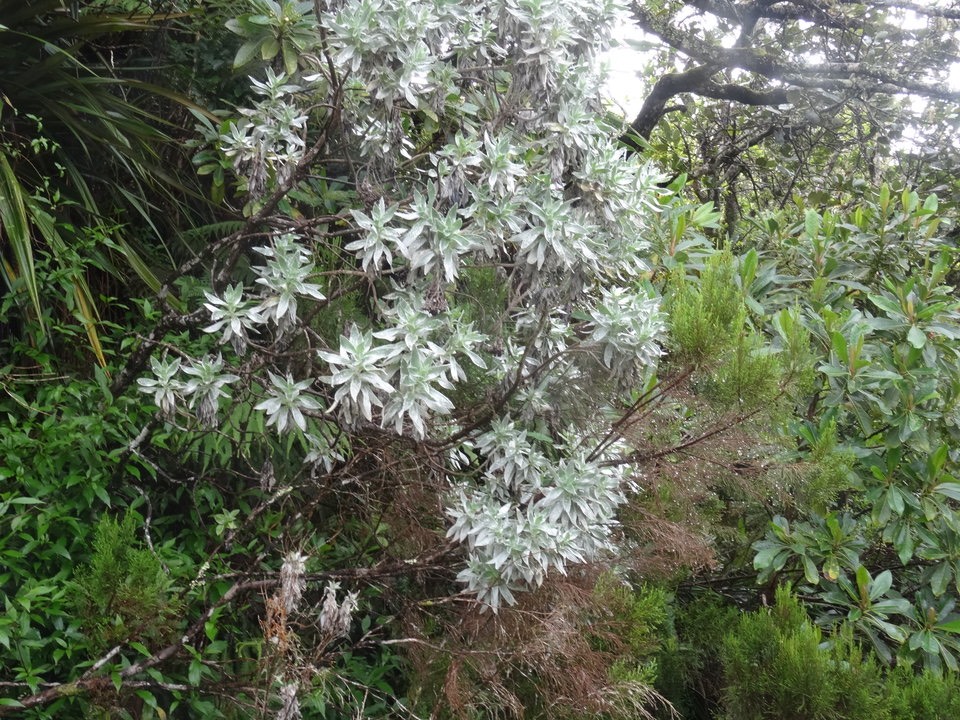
{"x":777,"y":665}
{"x":123,"y":594}
{"x":928,"y":695}
{"x":688,"y":663}
{"x":748,"y":374}
{"x":704,"y":315}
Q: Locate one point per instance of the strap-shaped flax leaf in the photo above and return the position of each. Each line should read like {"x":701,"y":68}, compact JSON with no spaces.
{"x":85,"y":306}
{"x":15,"y":230}
{"x":80,"y":123}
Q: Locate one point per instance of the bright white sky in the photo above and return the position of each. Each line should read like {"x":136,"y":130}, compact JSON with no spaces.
{"x":625,"y":87}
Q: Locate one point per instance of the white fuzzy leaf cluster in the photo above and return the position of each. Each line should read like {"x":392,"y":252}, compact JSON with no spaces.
{"x":379,"y":240}
{"x":268,"y":139}
{"x":401,"y":373}
{"x":477,"y":157}
{"x":286,"y":402}
{"x":284,"y":278}
{"x":165,"y":386}
{"x":625,"y":324}
{"x":530,"y":515}
{"x":336,"y":616}
{"x":232,"y":314}
{"x":202,"y":389}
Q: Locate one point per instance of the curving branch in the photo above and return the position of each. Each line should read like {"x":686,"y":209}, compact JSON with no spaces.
{"x":811,"y":12}
{"x":780,"y":71}
{"x":929,"y":8}
{"x":665,"y":89}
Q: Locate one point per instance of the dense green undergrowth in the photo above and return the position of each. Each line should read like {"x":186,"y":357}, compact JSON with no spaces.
{"x":443,"y":409}
{"x":775,"y":663}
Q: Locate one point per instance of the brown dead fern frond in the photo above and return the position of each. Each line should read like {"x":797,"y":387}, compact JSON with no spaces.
{"x":637,"y":700}
{"x":660,"y":547}
{"x":550,"y":656}
{"x":473,"y":688}
{"x":275,"y":631}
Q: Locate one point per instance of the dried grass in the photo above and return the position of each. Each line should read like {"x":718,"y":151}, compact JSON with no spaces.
{"x":548,"y":656}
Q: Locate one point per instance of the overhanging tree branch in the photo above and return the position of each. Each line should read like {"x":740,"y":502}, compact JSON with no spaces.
{"x":743,"y":95}
{"x":853,"y":76}
{"x":928,"y":9}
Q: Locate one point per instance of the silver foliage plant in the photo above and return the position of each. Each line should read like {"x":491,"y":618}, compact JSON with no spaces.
{"x":476,"y":145}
